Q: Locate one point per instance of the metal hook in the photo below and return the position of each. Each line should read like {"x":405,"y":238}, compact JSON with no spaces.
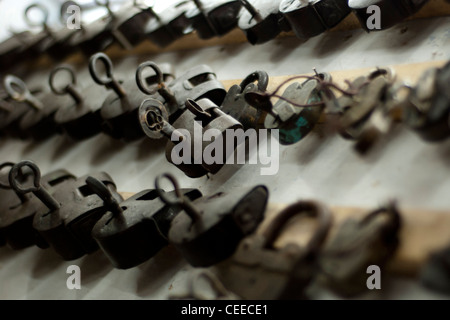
{"x":140,"y":81}
{"x":181,"y":201}
{"x":105,"y":194}
{"x":109,"y":81}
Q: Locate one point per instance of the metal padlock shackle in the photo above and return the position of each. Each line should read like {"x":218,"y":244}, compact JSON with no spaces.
{"x":261,"y":77}
{"x":109,"y":81}
{"x":252,"y":10}
{"x":310,"y":208}
{"x":181,"y":201}
{"x":105,"y":194}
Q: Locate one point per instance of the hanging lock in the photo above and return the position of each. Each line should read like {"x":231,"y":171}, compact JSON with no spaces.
{"x":80,"y":119}
{"x":129,"y":23}
{"x":209,"y":229}
{"x":309,"y":18}
{"x":214,"y":18}
{"x":258,"y":271}
{"x":170,"y":24}
{"x":236,"y":106}
{"x":391,"y":12}
{"x":135,"y":230}
{"x":358,"y":244}
{"x":201,"y":117}
{"x":428,"y":109}
{"x":119,"y":111}
{"x":197,"y":83}
{"x":17,"y":219}
{"x":371,"y":92}
{"x":297,"y":112}
{"x":261,"y":20}
{"x":71,"y":214}
{"x":38,"y":122}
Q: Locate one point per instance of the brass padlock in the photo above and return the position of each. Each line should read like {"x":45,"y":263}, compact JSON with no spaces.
{"x":258,"y":271}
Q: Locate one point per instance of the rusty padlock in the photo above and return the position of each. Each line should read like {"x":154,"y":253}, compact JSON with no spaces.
{"x":358,"y":244}
{"x":209,"y":229}
{"x":428,"y":108}
{"x":17,"y":221}
{"x":298,"y":111}
{"x":236,"y":106}
{"x":214,"y":18}
{"x":169,"y":24}
{"x":258,"y":271}
{"x":80,"y":119}
{"x":119,"y":111}
{"x":261,"y":20}
{"x":135,"y":230}
{"x":72,"y":211}
{"x":311,"y":18}
{"x":197,"y":83}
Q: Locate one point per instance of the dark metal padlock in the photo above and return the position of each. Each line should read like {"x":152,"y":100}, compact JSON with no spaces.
{"x":357,"y":109}
{"x":197,"y":83}
{"x":258,"y":271}
{"x":200,"y":117}
{"x":170,"y":24}
{"x":17,"y":222}
{"x":358,"y":244}
{"x":95,"y":36}
{"x":119,"y":110}
{"x":214,"y":18}
{"x":297,"y":113}
{"x":209,"y":229}
{"x":261,"y":20}
{"x":311,"y":18}
{"x":66,"y":224}
{"x":129,"y":23}
{"x":80,"y":119}
{"x":435,"y":275}
{"x":392,"y":12}
{"x":428,"y":109}
{"x":38,"y":122}
{"x":135,"y":230}
{"x":236,"y":106}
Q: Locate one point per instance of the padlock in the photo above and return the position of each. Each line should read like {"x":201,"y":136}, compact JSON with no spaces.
{"x":71,"y":214}
{"x":135,"y":230}
{"x":261,"y":20}
{"x":358,"y":244}
{"x":38,"y":122}
{"x":17,"y":221}
{"x":95,"y":36}
{"x":119,"y":110}
{"x":129,"y":23}
{"x":170,"y":24}
{"x":236,"y":106}
{"x":435,"y":275}
{"x":391,"y":12}
{"x":197,"y":83}
{"x":209,"y":229}
{"x":428,"y":108}
{"x":258,"y":271}
{"x":370,"y":92}
{"x":311,"y":18}
{"x":297,"y":112}
{"x":214,"y":18}
{"x":81,"y":118}
{"x":200,"y":117}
